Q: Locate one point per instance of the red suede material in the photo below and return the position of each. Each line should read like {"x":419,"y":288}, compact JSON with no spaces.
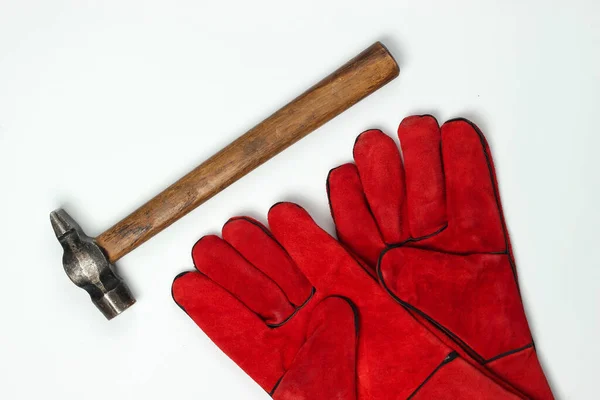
{"x":239,"y":332}
{"x":426,"y":197}
{"x":471,"y":286}
{"x":224,"y":265}
{"x":395,"y":353}
{"x":524,"y":370}
{"x":358,"y":229}
{"x":382,"y":183}
{"x":268,"y":256}
{"x":455,"y":218}
{"x":472,"y":205}
{"x":448,"y":341}
{"x":449,"y":384}
{"x":325,"y":366}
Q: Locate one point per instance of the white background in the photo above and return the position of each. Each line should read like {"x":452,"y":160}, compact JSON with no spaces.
{"x":105,"y":103}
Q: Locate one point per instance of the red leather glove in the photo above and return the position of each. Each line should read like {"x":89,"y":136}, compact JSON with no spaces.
{"x":277,"y":304}
{"x":433,"y":232}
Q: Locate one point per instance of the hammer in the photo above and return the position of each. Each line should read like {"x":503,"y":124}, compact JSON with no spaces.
{"x":89,"y":262}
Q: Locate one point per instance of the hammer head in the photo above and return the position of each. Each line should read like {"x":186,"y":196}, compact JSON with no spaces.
{"x":88,"y":267}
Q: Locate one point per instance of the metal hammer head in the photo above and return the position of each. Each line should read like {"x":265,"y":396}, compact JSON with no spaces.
{"x":88,"y":267}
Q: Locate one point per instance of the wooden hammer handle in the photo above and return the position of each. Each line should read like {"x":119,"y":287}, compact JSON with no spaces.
{"x":358,"y":78}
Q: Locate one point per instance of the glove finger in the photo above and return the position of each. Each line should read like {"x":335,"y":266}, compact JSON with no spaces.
{"x":420,"y":139}
{"x":382,"y":175}
{"x":234,"y":328}
{"x":256,"y":244}
{"x":325,"y":367}
{"x":354,"y":222}
{"x":313,"y":250}
{"x":225,"y":266}
{"x":472,"y":203}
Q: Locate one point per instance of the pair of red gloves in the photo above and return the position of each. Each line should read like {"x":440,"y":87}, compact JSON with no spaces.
{"x":417,"y":299}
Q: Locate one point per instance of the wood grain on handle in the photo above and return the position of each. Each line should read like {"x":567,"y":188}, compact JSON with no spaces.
{"x":358,"y":78}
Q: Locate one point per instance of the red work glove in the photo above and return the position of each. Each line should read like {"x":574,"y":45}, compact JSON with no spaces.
{"x":277,"y":303}
{"x":433,"y":232}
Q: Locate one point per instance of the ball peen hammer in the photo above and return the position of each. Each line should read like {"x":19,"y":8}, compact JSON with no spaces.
{"x":89,"y":261}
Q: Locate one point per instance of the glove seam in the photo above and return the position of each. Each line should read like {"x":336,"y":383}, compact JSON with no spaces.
{"x":468,"y":349}
{"x":356,"y":333}
{"x":448,"y":359}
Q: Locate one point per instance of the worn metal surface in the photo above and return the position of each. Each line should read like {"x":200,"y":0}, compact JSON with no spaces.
{"x":88,"y":267}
